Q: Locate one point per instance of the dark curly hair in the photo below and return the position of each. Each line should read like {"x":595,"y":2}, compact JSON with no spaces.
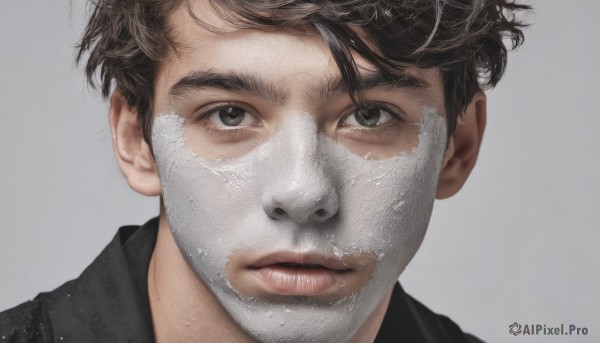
{"x":126,"y":39}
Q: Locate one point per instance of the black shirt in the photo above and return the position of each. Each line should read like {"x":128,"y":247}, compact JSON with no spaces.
{"x":109,"y":303}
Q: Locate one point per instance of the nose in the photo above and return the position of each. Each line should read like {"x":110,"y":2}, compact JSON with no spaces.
{"x":300,"y":189}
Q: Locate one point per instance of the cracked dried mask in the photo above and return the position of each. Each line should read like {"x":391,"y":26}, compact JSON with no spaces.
{"x":301,"y":237}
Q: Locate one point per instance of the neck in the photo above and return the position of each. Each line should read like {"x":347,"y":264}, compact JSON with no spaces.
{"x":184,"y":309}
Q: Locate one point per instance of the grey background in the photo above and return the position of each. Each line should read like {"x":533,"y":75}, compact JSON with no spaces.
{"x":518,"y":243}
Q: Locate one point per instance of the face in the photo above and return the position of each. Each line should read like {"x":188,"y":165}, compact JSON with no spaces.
{"x":297,"y":209}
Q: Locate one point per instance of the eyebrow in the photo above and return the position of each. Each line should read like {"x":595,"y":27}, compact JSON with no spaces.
{"x":256,"y":86}
{"x":228,"y":81}
{"x":399,"y":79}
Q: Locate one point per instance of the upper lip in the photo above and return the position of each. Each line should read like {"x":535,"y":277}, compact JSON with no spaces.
{"x":311,"y":260}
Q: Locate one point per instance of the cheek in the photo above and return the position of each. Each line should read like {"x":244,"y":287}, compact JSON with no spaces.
{"x":211,"y":210}
{"x":386,"y":212}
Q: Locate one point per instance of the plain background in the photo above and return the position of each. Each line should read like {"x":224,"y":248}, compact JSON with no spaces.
{"x":518,"y":243}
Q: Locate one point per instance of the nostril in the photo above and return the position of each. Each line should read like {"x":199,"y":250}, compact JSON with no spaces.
{"x":321,"y":212}
{"x":279,"y":211}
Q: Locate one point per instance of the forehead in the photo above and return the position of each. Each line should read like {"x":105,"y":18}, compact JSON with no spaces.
{"x":290,"y":58}
{"x":226,"y":46}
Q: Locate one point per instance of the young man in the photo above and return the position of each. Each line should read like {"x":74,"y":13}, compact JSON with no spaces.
{"x":297,"y":147}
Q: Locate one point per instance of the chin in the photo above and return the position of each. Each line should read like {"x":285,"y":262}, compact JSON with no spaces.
{"x":301,"y":319}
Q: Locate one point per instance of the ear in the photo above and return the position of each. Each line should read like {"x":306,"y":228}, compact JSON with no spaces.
{"x":463,"y":147}
{"x":131,"y":150}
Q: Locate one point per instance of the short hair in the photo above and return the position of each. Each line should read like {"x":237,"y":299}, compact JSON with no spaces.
{"x":125,"y":40}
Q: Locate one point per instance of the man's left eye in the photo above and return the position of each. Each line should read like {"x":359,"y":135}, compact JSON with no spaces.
{"x":368,"y":117}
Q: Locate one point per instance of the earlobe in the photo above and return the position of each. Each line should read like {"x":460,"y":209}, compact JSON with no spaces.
{"x":132,"y":152}
{"x":463,"y":147}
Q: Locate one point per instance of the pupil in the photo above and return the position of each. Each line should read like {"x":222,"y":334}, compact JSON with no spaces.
{"x":231,"y":116}
{"x":368,"y":117}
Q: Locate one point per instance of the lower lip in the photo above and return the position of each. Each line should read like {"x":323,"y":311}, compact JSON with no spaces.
{"x":301,"y":281}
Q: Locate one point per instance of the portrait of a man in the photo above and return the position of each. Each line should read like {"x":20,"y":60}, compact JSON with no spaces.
{"x":297,"y":149}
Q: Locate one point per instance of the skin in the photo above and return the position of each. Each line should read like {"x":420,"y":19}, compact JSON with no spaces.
{"x":183,"y":308}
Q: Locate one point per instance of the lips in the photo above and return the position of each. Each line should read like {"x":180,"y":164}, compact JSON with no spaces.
{"x":301,"y":261}
{"x":300,"y":274}
{"x":286,"y":273}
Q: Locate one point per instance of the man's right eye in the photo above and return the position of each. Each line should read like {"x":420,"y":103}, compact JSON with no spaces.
{"x":229,"y":117}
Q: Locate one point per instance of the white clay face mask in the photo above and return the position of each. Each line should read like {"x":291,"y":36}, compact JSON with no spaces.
{"x":300,"y":238}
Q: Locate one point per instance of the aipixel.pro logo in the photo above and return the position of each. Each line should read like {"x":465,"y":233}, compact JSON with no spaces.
{"x":546,"y":330}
